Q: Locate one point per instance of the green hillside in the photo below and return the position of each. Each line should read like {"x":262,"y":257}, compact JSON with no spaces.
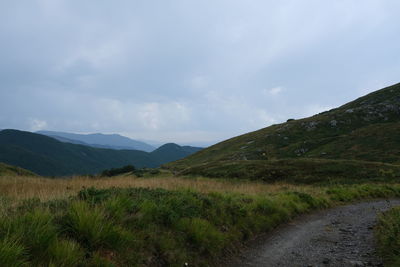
{"x":47,"y":156}
{"x":366,"y":129}
{"x":6,"y":169}
{"x":170,"y":152}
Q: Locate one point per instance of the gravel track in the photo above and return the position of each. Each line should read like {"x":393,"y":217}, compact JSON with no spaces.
{"x":341,"y":236}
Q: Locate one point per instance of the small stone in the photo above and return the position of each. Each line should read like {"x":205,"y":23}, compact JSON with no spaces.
{"x":326,"y":261}
{"x":356,"y":263}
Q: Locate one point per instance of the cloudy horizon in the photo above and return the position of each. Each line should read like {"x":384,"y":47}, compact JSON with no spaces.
{"x":189,"y":71}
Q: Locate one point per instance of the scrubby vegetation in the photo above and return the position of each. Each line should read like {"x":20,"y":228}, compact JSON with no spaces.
{"x":129,"y":169}
{"x":388,"y":236}
{"x":139,"y":226}
{"x":116,"y":171}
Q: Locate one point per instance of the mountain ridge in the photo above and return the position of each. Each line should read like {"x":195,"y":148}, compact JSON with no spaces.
{"x":99,"y":140}
{"x":47,"y":156}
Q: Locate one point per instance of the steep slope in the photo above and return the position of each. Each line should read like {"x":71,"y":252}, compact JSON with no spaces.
{"x":8,"y":170}
{"x":112,"y":141}
{"x":365,"y":129}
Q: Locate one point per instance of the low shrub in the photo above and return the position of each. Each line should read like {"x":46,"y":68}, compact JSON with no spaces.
{"x":387,"y":234}
{"x":117,"y":171}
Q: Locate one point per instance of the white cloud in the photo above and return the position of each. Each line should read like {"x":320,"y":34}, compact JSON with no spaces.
{"x":149,"y":115}
{"x":37,"y":125}
{"x":313,"y":109}
{"x":199,"y":82}
{"x":273,"y":91}
{"x":262,"y":117}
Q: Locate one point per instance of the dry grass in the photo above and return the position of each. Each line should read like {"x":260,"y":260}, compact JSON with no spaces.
{"x":18,"y":188}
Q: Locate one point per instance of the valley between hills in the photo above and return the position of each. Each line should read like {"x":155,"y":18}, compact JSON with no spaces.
{"x":198,"y":207}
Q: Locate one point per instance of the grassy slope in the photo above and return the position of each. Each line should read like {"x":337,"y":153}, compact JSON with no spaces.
{"x":154,"y":227}
{"x":387,"y":233}
{"x":365,"y":129}
{"x":8,"y":170}
{"x":47,"y":156}
{"x":305,"y":171}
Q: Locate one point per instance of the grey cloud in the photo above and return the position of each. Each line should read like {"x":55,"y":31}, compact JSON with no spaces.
{"x":190,"y":70}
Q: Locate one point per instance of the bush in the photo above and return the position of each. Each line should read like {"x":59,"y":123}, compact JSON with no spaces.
{"x":117,"y":171}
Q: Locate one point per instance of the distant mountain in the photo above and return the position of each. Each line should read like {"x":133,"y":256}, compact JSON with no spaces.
{"x":66,"y":140}
{"x":366,"y":129}
{"x":170,"y":152}
{"x":45,"y":155}
{"x":112,"y":141}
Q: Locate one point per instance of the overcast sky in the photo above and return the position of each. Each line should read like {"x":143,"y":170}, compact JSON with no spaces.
{"x":189,"y":71}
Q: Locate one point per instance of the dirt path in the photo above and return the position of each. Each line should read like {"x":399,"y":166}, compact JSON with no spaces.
{"x":341,"y":236}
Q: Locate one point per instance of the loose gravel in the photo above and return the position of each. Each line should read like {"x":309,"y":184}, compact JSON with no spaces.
{"x":342,"y":236}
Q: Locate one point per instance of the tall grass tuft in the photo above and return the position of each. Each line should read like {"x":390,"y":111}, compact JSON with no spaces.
{"x":12,"y":253}
{"x":34,"y":230}
{"x":202,"y":235}
{"x":65,"y":253}
{"x":90,"y":226}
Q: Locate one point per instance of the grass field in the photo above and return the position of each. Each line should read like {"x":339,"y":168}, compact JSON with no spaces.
{"x":154,"y":221}
{"x":18,"y":188}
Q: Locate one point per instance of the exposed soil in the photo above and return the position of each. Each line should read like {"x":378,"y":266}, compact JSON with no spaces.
{"x":342,"y":236}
